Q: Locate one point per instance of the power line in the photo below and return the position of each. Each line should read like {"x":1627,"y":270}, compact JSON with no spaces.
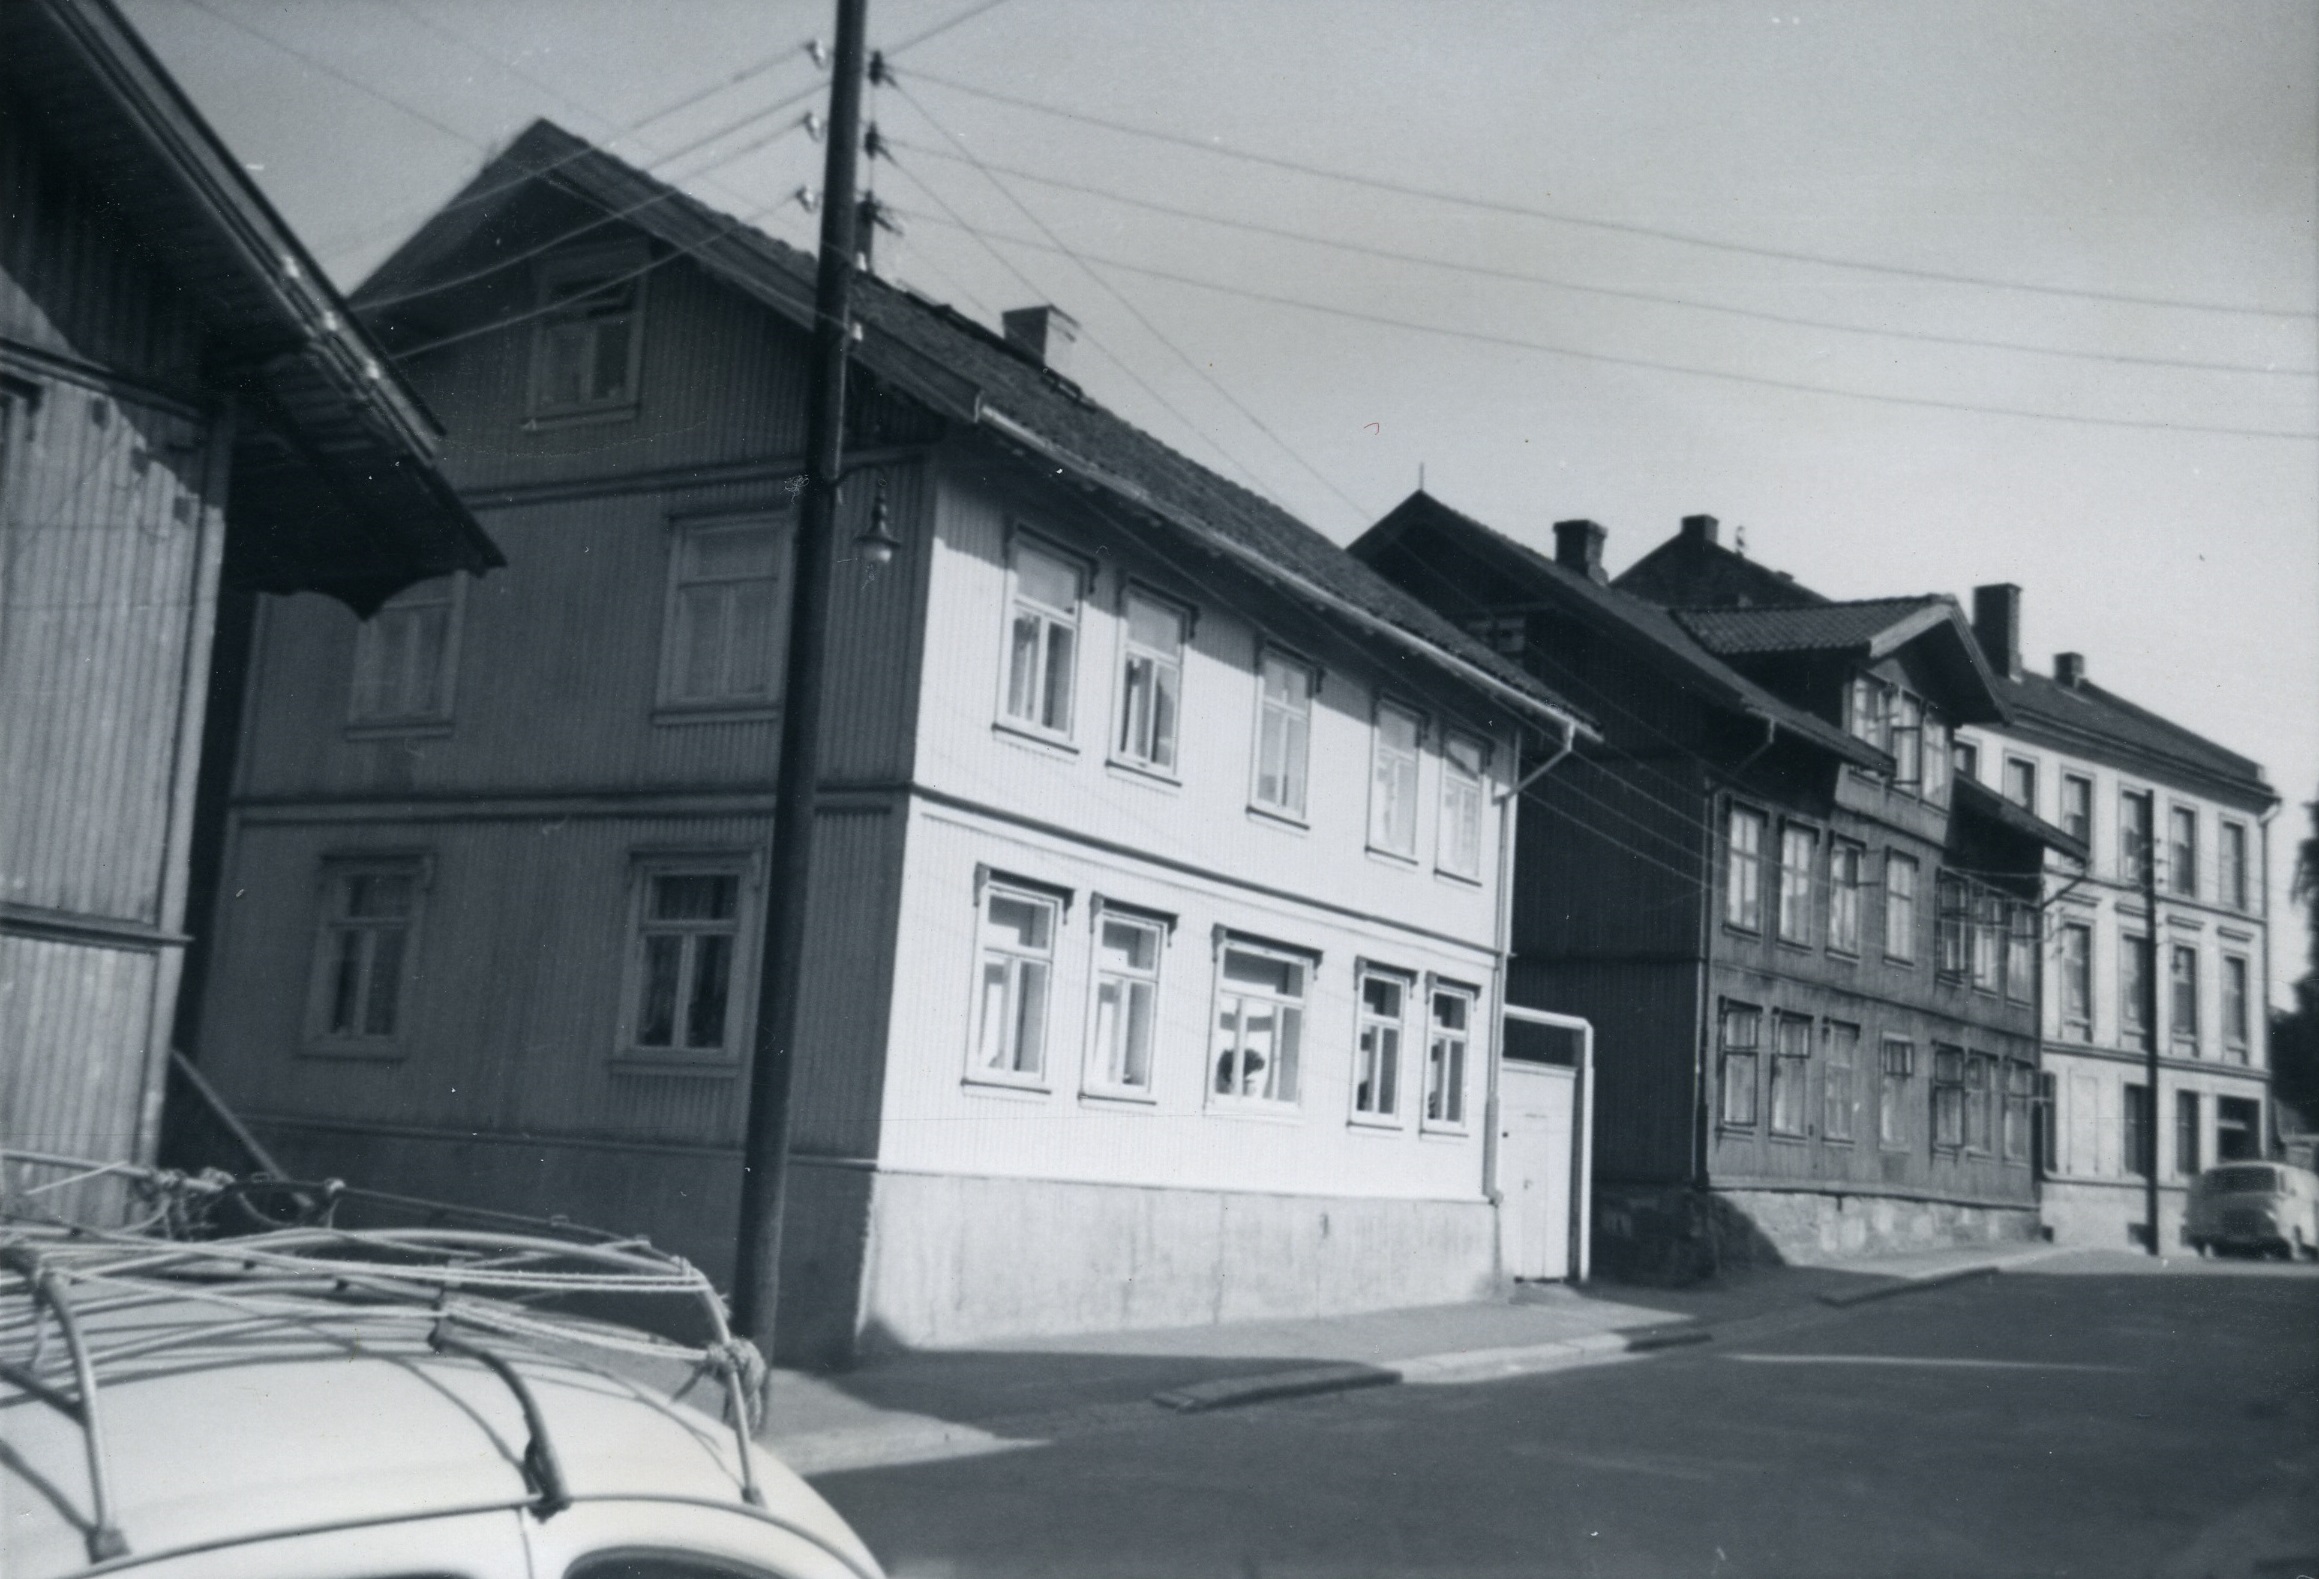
{"x":1785,"y":255}
{"x":328,"y":70}
{"x":1483,"y":271}
{"x":940,"y":28}
{"x":1756,"y":380}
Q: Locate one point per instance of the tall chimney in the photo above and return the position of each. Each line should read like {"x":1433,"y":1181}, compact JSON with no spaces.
{"x":1702,"y":529}
{"x":1044,"y":334}
{"x":1997,"y":622}
{"x":2069,"y":668}
{"x":1578,"y":546}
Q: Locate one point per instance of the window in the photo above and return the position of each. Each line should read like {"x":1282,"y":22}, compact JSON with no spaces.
{"x":1952,"y":926}
{"x":2237,"y":892}
{"x":1127,"y":970}
{"x":1742,"y":1046}
{"x":1791,"y":1074}
{"x":1896,"y":1064}
{"x":405,"y":655}
{"x":1965,"y":756}
{"x":2077,"y":806}
{"x":1018,"y":962}
{"x":2077,"y":981}
{"x":1799,"y":847}
{"x":2182,"y":851}
{"x":2020,"y":951}
{"x":2238,"y":1129}
{"x":2020,"y":1089}
{"x":1260,"y":998}
{"x":1377,"y":1052}
{"x":1908,"y":740}
{"x":1283,"y":733}
{"x":1980,"y":1073}
{"x":1445,"y":1057}
{"x":1042,"y":640}
{"x":1743,"y":872}
{"x":727,"y":617}
{"x":589,"y":338}
{"x":1868,"y":711}
{"x":1151,"y":683}
{"x":1393,"y":780}
{"x":1948,"y":1097}
{"x":2133,"y":836}
{"x":1844,"y":861}
{"x":1841,"y":1043}
{"x":1462,"y":762}
{"x":1988,"y":935}
{"x":2021,"y":783}
{"x":2182,"y":998}
{"x":370,"y":910}
{"x":2043,"y":1122}
{"x":2138,"y":1136}
{"x":687,"y":943}
{"x":2133,"y":991}
{"x":1936,"y":760}
{"x":1900,"y":907}
{"x":2234,"y":1007}
{"x":2186,"y":1134}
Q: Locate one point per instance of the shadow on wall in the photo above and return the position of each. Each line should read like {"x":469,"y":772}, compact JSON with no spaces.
{"x":1674,"y":1236}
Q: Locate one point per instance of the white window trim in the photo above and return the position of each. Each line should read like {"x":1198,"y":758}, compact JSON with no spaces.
{"x":630,"y":259}
{"x":978,"y":1076}
{"x":1257,"y":804}
{"x":1481,"y":815}
{"x":1410,"y":983}
{"x":333,"y":869}
{"x":1805,"y":907}
{"x":1019,"y":538}
{"x":2242,"y":902}
{"x":1093,"y":1084}
{"x":1417,"y":754}
{"x":667,"y":706}
{"x":437,"y":722}
{"x":2174,"y":809}
{"x":1858,"y":889}
{"x":1463,"y":1124}
{"x":1289,"y":1110}
{"x":1915,"y":914}
{"x":1115,"y":750}
{"x":2005,"y":789}
{"x":1766,"y":826}
{"x":748,"y":865}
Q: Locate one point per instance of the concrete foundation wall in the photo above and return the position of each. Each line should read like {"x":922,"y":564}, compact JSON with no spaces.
{"x":957,"y":1260}
{"x":1673,"y":1234}
{"x":2111,"y":1214}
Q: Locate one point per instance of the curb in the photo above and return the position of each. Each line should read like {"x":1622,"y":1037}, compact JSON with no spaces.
{"x":1861,"y":1296}
{"x":1236,"y":1390}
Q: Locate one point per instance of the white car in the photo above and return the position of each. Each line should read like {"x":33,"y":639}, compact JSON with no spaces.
{"x":2267,"y":1207}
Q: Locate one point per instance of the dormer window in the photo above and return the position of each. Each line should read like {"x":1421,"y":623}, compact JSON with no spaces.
{"x":588,"y":342}
{"x":1899,"y":722}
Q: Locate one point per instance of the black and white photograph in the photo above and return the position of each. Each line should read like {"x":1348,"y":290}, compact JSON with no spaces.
{"x":1276,"y":789}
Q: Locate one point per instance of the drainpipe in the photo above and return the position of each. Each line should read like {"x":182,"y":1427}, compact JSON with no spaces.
{"x":1508,"y":799}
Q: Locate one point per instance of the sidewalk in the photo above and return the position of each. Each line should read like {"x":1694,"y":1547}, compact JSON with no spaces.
{"x":930,"y":1404}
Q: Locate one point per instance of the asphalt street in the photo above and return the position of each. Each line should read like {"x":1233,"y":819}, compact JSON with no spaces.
{"x":2105,"y":1420}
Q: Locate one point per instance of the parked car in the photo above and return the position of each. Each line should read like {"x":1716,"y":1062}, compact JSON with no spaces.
{"x":2270,"y":1207}
{"x":318,"y":1403}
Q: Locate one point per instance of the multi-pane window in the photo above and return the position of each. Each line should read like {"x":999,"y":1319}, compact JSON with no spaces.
{"x":1896,"y":1065}
{"x":1151,"y":682}
{"x":2186,"y":1134}
{"x":1988,"y":938}
{"x":1980,"y":1071}
{"x":2134,"y":833}
{"x":1838,"y":1070}
{"x":1844,"y":863}
{"x":2020,"y":952}
{"x":1937,"y":762}
{"x":1867,"y":710}
{"x":1908,"y":740}
{"x":687,"y":935}
{"x":1791,"y":1074}
{"x":2020,"y":1087}
{"x":1948,"y":1097}
{"x":1799,"y":847}
{"x":1462,"y":760}
{"x":1742,"y":1048}
{"x":1743,"y":869}
{"x":2141,"y":1132}
{"x":1127,"y":973}
{"x":2237,"y":892}
{"x":1965,"y":757}
{"x":2182,"y":998}
{"x":1283,"y":733}
{"x":2238,"y":1129}
{"x":1393,"y":762}
{"x":1017,"y":969}
{"x":588,"y":337}
{"x":2182,"y":850}
{"x":2133,"y":991}
{"x":2077,"y":981}
{"x":2234,"y":1007}
{"x":1043,"y":640}
{"x":1377,"y":1046}
{"x":1900,"y":907}
{"x":727,"y":617}
{"x":365,"y":950}
{"x":1260,"y":1003}
{"x":2077,"y":807}
{"x":1445,"y":1056}
{"x":1952,"y":926}
{"x":2021,"y":783}
{"x":405,"y":655}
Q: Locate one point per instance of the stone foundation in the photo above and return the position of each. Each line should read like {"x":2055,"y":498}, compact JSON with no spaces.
{"x":1677,"y":1235}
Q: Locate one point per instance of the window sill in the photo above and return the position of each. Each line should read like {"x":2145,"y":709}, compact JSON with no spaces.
{"x":1376,"y":1124}
{"x":1120,"y":1097}
{"x":1274,"y":817}
{"x":1462,"y":879}
{"x":580,"y":416}
{"x":986,"y":1085}
{"x":1847,"y":956}
{"x":1795,"y":945}
{"x":1734,"y":929}
{"x":1037,"y":739}
{"x":1445,"y":1132}
{"x":1253,"y":1111}
{"x":1736,"y":1131}
{"x":1907,"y":961}
{"x":1144,"y":773}
{"x":1782,"y":1137}
{"x":399,"y":729}
{"x":714,"y":713}
{"x":1407,"y":863}
{"x":719,"y":1068}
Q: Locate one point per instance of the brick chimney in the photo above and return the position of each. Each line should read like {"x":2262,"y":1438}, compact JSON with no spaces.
{"x":1704,"y":529}
{"x":1044,"y":334}
{"x":2069,"y":668}
{"x":1997,"y":622}
{"x":1578,"y":546}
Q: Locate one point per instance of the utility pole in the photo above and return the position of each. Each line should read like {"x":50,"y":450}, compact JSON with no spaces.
{"x":2150,"y":1017}
{"x":765,"y":1146}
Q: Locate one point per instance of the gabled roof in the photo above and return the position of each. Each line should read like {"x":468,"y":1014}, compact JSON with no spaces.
{"x":1691,"y":570}
{"x":333,"y":484}
{"x":2085,"y":718}
{"x":1529,"y":577}
{"x":963,"y":371}
{"x":1868,"y":630}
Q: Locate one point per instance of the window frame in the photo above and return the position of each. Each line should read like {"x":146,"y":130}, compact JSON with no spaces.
{"x":1847,"y":876}
{"x":1413,"y":761}
{"x":2137,"y":953}
{"x":1982,"y":1099}
{"x":1732,"y":1114}
{"x":2182,"y":988}
{"x":1387,"y":1114}
{"x":1096,"y":1079}
{"x":747,"y":868}
{"x":1896,"y":902}
{"x":623,"y":263}
{"x":1796,"y":883}
{"x":2237,"y":985}
{"x":2017,"y":1099}
{"x":333,"y":874}
{"x":1453,"y":775}
{"x":2076,"y":1006}
{"x":1948,"y":1098}
{"x":2137,"y":835}
{"x":1462,"y":1063}
{"x":1298,"y":814}
{"x":1790,"y":1078}
{"x":1986,"y":947}
{"x":1952,"y":928}
{"x":1123,"y":752}
{"x":2188,"y":1133}
{"x":2022,"y":924}
{"x":1839,"y":1082}
{"x":1895,"y":1069}
{"x":669,"y":705}
{"x":2137,"y":1122}
{"x":1743,"y":884}
{"x":1056,"y":902}
{"x":2236,"y":859}
{"x":2078,"y":787}
{"x":2182,"y":853}
{"x":1014,"y":604}
{"x":2027,"y":768}
{"x":1237,"y":1100}
{"x":369,"y":633}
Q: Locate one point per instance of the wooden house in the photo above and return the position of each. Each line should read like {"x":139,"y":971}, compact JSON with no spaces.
{"x":1808,"y":953}
{"x":2135,"y":787}
{"x":188,"y":412}
{"x":1157,"y":855}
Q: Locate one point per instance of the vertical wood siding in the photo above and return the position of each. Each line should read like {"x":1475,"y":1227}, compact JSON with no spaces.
{"x":72,"y":1027}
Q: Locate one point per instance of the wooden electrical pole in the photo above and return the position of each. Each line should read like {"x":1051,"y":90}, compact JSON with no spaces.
{"x":765,"y":1145}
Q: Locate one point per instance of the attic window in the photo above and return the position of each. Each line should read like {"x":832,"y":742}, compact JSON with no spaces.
{"x":588,"y":340}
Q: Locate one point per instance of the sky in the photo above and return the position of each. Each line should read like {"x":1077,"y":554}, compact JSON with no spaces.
{"x":1649,"y":260}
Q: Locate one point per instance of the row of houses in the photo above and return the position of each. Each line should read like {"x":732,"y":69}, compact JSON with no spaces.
{"x":1207,"y":920}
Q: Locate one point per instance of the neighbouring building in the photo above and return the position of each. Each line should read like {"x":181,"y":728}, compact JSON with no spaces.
{"x":1807,"y":951}
{"x":1158,"y":842}
{"x":188,"y":416}
{"x":2135,"y":787}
